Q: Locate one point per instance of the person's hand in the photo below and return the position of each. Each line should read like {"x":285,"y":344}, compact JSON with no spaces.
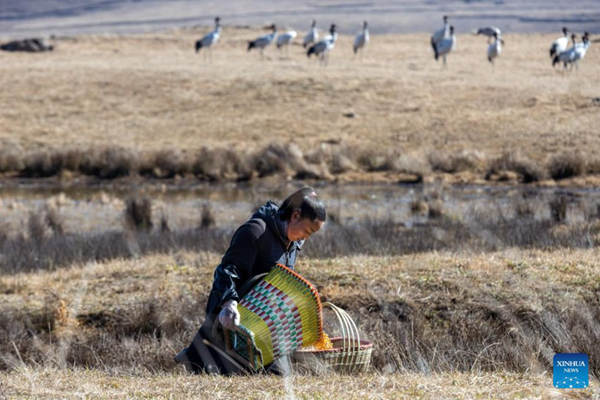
{"x":229,"y":316}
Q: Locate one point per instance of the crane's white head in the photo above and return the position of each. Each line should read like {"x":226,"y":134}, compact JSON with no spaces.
{"x":217,"y":20}
{"x":365,"y":25}
{"x":314,"y":23}
{"x":445,"y":18}
{"x":332,"y":29}
{"x":451,"y":30}
{"x":498,"y":38}
{"x":565,"y":31}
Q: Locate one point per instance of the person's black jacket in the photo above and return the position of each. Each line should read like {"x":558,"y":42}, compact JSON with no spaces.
{"x":256,"y":246}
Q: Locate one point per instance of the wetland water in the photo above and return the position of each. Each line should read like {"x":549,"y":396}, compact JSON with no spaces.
{"x":98,"y":209}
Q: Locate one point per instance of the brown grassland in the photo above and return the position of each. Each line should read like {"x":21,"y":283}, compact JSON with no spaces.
{"x":94,"y":384}
{"x":149,"y":93}
{"x":461,"y":322}
{"x":444,"y":325}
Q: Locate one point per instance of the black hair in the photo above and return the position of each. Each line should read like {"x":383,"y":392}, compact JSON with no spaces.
{"x":307,"y":202}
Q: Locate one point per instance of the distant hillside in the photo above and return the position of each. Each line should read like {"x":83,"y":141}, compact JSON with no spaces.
{"x":45,"y":17}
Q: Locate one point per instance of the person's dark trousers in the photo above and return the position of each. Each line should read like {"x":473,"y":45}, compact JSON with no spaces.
{"x":202,"y":357}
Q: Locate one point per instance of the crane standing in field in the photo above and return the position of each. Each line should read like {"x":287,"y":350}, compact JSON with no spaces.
{"x":572,"y":56}
{"x":560,"y":44}
{"x":440,"y":35}
{"x":568,"y":56}
{"x":495,"y":48}
{"x":362,"y":39}
{"x":581,"y":49}
{"x":284,"y":39}
{"x":263,"y":41}
{"x":323,"y":47}
{"x":210,"y":39}
{"x":445,"y":46}
{"x":489,"y":31}
{"x":312,"y":36}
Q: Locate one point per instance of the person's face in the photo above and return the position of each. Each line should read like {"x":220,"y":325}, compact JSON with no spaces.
{"x":301,"y":228}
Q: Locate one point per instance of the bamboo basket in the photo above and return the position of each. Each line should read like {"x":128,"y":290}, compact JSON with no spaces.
{"x":278,"y":315}
{"x":350,"y":354}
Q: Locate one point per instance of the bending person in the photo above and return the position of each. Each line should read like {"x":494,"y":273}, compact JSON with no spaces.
{"x":273,"y":235}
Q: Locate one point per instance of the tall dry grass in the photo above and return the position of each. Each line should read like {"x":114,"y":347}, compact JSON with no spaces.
{"x":333,"y":162}
{"x":43,"y":243}
{"x":430,"y":313}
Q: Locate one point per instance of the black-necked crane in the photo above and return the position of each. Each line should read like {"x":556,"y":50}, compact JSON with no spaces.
{"x":362,"y":39}
{"x":440,"y":35}
{"x":581,"y":49}
{"x":560,"y":44}
{"x":489,"y":31}
{"x":284,"y":39}
{"x":577,"y":53}
{"x":568,"y":56}
{"x":322,"y":48}
{"x":312,"y":36}
{"x":445,"y":46}
{"x":263,"y":41}
{"x":210,"y":39}
{"x":495,"y":48}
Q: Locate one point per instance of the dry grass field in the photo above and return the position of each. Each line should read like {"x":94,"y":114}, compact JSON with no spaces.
{"x":151,"y":92}
{"x":456,"y":309}
{"x":444,"y":325}
{"x":90,"y":384}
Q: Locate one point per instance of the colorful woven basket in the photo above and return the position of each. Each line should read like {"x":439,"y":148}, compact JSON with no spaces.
{"x":280,"y":314}
{"x":349,"y":353}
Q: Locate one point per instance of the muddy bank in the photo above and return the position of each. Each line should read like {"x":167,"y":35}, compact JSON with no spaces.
{"x":331,"y":162}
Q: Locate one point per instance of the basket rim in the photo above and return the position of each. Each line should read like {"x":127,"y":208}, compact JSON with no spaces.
{"x":364,"y":345}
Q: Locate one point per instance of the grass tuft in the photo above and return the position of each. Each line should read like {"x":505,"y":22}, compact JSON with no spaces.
{"x":138,"y":213}
{"x":566,"y":165}
{"x":453,"y":163}
{"x":527,"y":170}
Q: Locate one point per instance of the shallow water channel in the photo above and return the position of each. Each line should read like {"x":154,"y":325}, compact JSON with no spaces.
{"x":101,"y":208}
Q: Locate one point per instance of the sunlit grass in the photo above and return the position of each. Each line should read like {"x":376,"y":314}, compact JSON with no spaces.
{"x":150,"y":92}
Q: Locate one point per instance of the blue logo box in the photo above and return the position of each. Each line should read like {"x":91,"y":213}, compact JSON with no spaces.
{"x":571,"y":371}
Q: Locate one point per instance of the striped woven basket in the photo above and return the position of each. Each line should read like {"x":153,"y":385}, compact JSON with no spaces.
{"x":349,"y":353}
{"x":280,"y":314}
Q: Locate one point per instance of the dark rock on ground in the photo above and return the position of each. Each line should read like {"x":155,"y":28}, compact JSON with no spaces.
{"x":30,"y":45}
